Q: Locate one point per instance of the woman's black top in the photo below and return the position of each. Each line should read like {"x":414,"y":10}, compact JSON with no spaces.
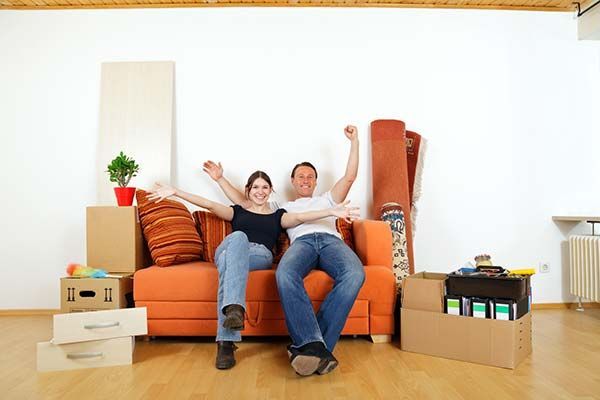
{"x":260,"y":228}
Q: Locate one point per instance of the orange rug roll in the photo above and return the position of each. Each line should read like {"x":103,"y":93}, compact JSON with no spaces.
{"x":390,"y":173}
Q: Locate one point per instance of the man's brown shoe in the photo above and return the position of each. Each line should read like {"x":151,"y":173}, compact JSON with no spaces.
{"x":225,"y":357}
{"x":234,"y":317}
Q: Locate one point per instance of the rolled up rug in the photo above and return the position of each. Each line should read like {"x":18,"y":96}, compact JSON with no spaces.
{"x":392,"y":214}
{"x":416,"y":145}
{"x":390,"y":173}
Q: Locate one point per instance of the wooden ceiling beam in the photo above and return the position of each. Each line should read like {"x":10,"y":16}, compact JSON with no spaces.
{"x":524,"y":5}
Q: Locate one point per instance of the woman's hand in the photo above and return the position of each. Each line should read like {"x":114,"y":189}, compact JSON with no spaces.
{"x":215,"y":171}
{"x":161,"y":192}
{"x":342,"y":210}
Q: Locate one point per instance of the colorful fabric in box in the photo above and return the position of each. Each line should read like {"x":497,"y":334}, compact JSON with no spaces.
{"x":213,"y":230}
{"x":169,"y":231}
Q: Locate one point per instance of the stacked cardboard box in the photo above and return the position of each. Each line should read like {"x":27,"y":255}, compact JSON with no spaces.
{"x":92,"y":339}
{"x":426,"y":329}
{"x":115,"y":244}
{"x":114,"y":239}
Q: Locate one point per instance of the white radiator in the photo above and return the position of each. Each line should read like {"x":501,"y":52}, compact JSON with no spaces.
{"x":585,"y":266}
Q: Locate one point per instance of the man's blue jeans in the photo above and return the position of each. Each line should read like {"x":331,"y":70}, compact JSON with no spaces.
{"x":331,"y":255}
{"x":235,"y":257}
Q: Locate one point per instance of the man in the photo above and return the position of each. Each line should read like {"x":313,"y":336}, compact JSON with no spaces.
{"x":314,"y":244}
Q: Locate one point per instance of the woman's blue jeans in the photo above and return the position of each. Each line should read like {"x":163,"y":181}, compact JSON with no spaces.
{"x":235,"y":257}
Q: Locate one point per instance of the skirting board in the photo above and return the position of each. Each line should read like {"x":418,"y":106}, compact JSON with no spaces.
{"x":541,"y":306}
{"x":562,"y":306}
{"x":24,"y":313}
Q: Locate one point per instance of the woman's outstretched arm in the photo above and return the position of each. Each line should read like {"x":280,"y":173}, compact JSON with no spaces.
{"x":161,"y":192}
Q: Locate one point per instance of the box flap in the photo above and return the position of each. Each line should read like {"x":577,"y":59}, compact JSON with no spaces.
{"x":424,"y":291}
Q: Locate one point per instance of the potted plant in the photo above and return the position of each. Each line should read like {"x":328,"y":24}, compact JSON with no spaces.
{"x":121,"y":170}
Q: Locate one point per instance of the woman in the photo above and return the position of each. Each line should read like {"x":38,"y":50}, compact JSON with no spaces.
{"x":248,"y":248}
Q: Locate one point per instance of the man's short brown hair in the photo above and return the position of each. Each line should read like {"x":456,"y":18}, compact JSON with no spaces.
{"x":304,"y":164}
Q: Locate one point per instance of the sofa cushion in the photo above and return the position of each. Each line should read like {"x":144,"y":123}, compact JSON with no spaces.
{"x":198,"y":281}
{"x":169,"y":231}
{"x":281,"y":246}
{"x":345,"y":229}
{"x":213,"y":230}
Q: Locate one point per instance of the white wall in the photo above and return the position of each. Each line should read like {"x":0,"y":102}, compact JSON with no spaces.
{"x":508,"y":101}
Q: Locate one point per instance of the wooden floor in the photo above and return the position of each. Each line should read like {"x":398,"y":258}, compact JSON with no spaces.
{"x":565,"y":364}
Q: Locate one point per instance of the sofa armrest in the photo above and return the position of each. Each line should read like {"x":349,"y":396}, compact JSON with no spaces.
{"x":373,"y":242}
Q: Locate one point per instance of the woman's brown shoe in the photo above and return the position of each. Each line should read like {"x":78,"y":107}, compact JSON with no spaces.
{"x":225,"y":357}
{"x":234,"y":317}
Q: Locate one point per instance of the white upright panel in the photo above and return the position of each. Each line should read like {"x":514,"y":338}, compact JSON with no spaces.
{"x":136,"y":116}
{"x":588,"y":25}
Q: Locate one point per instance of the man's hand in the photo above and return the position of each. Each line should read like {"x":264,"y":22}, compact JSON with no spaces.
{"x":342,"y":210}
{"x":215,"y":171}
{"x":351,"y":132}
{"x":161,"y":192}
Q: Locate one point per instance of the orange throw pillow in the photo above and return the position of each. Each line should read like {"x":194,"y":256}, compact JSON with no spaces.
{"x":281,"y":246}
{"x":169,"y":231}
{"x":345,"y":229}
{"x":213,"y":230}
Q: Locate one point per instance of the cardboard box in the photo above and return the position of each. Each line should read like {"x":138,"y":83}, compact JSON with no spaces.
{"x":424,"y":291}
{"x":114,"y":239}
{"x":424,"y":328}
{"x":91,"y":294}
{"x":482,"y":341}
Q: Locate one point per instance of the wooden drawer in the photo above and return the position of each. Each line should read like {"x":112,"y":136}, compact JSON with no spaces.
{"x":96,"y":325}
{"x":97,"y":353}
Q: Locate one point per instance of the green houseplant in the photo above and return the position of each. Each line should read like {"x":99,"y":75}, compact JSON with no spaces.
{"x":121,"y":170}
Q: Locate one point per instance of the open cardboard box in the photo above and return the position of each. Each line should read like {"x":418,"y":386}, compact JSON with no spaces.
{"x":426,"y":329}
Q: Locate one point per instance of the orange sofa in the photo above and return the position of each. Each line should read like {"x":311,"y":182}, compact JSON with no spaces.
{"x":181,"y":299}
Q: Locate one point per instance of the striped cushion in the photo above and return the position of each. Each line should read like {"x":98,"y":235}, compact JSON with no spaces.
{"x":345,"y":229}
{"x":169,"y":231}
{"x":212,"y":230}
{"x":281,"y":246}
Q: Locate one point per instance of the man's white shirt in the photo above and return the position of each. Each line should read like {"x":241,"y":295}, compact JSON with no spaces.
{"x":315,"y":203}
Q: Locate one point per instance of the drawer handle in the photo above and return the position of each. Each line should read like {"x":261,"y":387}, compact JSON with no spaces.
{"x":77,"y":356}
{"x":102,"y":325}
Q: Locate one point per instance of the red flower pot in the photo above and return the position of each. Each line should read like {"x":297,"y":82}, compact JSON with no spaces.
{"x":124,"y":195}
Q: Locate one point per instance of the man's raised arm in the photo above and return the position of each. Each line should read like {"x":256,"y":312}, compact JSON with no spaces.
{"x":342,"y":187}
{"x":215,"y":171}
